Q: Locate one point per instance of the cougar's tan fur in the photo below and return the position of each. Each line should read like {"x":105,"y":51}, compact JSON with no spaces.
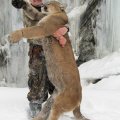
{"x":61,"y":65}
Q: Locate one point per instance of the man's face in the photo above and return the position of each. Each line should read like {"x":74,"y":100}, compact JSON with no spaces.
{"x":36,"y":2}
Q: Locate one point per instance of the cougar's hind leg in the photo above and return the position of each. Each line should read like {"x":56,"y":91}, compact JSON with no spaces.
{"x":77,"y":112}
{"x":63,"y":102}
{"x":55,"y":113}
{"x":44,"y":113}
{"x":56,"y":108}
{"x":78,"y":115}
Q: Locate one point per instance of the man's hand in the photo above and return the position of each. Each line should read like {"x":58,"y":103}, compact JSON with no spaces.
{"x":59,"y":35}
{"x":14,"y":37}
{"x":18,"y":3}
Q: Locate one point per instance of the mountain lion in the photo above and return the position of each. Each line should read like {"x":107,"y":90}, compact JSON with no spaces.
{"x":61,"y":66}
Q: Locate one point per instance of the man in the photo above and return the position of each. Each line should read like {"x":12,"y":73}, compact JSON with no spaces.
{"x":38,"y":81}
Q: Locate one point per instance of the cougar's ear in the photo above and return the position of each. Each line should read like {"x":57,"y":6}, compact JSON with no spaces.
{"x":63,"y":6}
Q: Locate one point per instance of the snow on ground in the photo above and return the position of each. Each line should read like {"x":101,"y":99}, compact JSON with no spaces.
{"x":101,"y":68}
{"x":101,"y":101}
{"x":13,"y":103}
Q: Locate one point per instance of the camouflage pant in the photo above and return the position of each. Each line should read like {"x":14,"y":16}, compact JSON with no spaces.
{"x":38,"y":82}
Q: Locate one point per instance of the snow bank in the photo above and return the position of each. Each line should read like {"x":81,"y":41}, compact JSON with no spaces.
{"x":13,"y":104}
{"x":101,"y":68}
{"x":101,"y":100}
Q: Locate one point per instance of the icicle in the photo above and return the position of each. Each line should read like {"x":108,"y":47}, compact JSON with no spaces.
{"x":108,"y":27}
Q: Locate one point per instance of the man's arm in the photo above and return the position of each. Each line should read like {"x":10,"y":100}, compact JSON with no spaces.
{"x":32,"y":12}
{"x":29,"y":10}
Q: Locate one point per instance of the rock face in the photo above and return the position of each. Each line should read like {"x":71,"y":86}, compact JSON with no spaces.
{"x":87,"y":43}
{"x":99,"y":30}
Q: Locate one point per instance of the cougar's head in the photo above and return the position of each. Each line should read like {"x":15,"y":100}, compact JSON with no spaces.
{"x":53,"y":7}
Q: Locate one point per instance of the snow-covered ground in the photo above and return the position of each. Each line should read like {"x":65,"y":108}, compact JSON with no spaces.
{"x":101,"y":101}
{"x":101,"y":68}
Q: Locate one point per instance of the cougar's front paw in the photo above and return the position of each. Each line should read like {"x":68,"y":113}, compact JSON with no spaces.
{"x":14,"y":37}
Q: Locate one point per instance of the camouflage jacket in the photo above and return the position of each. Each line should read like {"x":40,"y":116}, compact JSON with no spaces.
{"x":31,"y":17}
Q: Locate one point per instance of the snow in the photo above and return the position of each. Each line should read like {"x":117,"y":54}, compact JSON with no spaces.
{"x":5,"y":46}
{"x":108,"y":27}
{"x":13,"y":103}
{"x":100,"y":101}
{"x":101,"y":68}
{"x":77,"y":12}
{"x":74,"y":22}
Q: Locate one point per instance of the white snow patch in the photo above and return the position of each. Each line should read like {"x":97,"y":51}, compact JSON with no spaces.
{"x":77,"y":12}
{"x":13,"y":103}
{"x":101,"y":68}
{"x":100,"y":102}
